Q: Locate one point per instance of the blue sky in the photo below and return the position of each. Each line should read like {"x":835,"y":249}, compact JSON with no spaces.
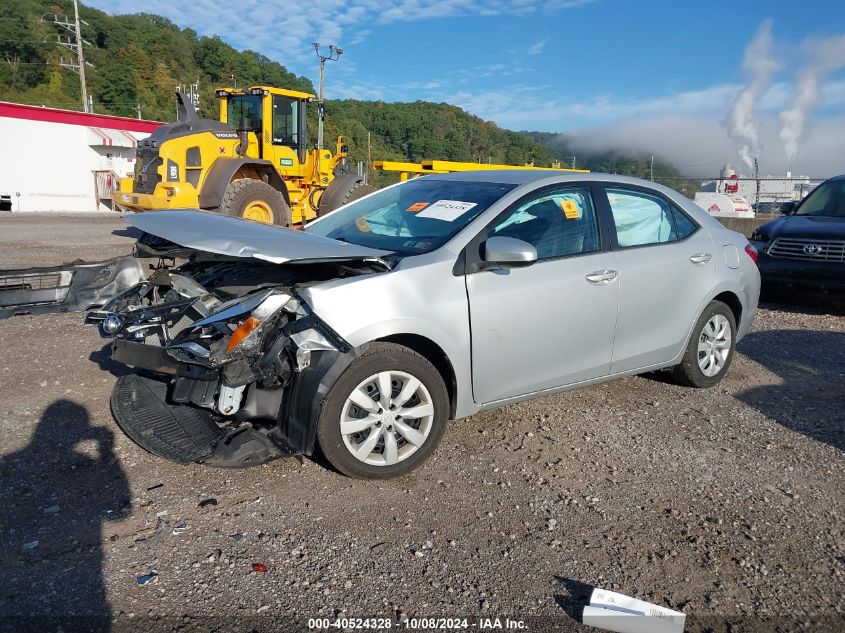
{"x":610,"y":72}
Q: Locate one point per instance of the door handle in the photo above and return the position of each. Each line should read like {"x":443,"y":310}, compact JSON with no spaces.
{"x":700,"y":258}
{"x":602,"y":277}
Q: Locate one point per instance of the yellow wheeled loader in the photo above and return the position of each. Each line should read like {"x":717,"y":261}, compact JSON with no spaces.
{"x":253,"y":163}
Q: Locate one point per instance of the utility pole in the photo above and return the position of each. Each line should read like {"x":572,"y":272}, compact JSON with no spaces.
{"x":652,"y":168}
{"x":138,"y":109}
{"x":369,"y":158}
{"x":333,"y":56}
{"x":76,"y":47}
{"x":80,"y":56}
{"x":573,"y":162}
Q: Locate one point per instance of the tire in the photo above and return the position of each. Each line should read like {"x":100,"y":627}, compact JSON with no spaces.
{"x":358,"y":189}
{"x":255,"y":200}
{"x":696,"y":367}
{"x":384,"y":458}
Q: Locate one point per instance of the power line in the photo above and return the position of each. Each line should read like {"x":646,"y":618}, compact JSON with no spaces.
{"x":44,"y":41}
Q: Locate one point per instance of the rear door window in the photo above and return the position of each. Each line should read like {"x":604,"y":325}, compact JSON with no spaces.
{"x":642,"y":219}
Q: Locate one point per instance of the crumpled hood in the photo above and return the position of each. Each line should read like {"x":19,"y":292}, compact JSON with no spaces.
{"x":224,"y":235}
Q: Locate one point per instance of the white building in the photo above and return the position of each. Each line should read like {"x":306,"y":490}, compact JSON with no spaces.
{"x":61,"y":160}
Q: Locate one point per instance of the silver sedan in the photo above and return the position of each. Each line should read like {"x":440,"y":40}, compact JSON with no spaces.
{"x":424,"y":302}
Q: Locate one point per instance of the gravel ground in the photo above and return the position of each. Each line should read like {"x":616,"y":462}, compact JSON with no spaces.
{"x":724,"y":503}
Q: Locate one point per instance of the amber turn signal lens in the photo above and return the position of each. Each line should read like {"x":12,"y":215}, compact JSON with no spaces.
{"x":244,"y":330}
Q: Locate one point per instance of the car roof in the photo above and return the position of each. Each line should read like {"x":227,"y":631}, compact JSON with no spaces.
{"x":527,"y":176}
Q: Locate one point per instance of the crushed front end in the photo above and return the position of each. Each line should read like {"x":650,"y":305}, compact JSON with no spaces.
{"x":221,"y":349}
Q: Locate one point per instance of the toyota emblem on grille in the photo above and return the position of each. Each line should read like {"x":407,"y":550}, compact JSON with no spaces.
{"x":812,"y":249}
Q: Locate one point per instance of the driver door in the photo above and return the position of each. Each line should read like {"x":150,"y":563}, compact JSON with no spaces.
{"x":551,"y":323}
{"x":282,"y":141}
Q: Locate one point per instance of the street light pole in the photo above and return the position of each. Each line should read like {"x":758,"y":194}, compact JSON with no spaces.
{"x":333,"y":56}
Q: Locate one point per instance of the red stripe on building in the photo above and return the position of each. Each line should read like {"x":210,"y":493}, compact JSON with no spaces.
{"x":70,"y":117}
{"x":103,"y":136}
{"x":133,"y":142}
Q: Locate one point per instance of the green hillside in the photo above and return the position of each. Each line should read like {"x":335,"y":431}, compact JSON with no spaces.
{"x":139,"y":60}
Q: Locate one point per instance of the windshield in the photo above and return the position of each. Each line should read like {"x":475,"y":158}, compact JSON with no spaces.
{"x":414,"y":217}
{"x":247,"y":106}
{"x":827,"y":199}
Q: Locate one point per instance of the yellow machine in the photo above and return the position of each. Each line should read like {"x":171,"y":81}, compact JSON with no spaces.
{"x":253,"y":163}
{"x":413,"y":170}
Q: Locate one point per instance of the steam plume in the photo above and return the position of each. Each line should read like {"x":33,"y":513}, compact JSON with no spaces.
{"x":759,"y":66}
{"x":826,"y":55}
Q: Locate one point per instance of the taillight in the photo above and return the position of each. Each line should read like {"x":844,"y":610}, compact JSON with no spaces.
{"x":752,"y":252}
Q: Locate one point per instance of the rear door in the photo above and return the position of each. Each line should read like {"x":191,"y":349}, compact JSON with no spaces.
{"x":551,"y":323}
{"x":666,"y":270}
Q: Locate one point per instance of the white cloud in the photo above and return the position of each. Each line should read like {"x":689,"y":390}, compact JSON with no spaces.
{"x":698,"y":146}
{"x":537,"y":47}
{"x":284,"y":30}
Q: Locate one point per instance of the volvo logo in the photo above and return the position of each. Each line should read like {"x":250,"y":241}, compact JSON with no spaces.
{"x":812,"y":249}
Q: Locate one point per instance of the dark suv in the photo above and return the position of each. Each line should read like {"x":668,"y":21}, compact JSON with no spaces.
{"x":804,"y":251}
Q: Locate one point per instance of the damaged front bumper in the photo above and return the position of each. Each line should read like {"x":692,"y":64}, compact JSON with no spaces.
{"x":219,"y":382}
{"x":68,"y":287}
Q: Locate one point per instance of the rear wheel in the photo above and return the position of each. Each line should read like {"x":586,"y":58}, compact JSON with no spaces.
{"x":385,"y":415}
{"x":255,"y":200}
{"x":710,"y":349}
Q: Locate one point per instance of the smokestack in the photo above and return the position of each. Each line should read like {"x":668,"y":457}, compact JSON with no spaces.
{"x":759,"y":66}
{"x":826,"y":55}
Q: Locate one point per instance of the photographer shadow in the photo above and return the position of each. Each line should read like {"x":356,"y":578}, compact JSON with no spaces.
{"x":58,"y":492}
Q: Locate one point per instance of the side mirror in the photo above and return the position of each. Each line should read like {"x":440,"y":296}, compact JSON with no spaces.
{"x":509,"y":252}
{"x":787,"y":208}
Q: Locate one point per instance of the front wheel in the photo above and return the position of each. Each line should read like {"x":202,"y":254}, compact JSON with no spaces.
{"x":710,"y":349}
{"x":255,"y":200}
{"x":385,"y":415}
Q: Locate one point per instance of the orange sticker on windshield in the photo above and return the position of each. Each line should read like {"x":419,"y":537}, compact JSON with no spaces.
{"x":362,"y":225}
{"x":570,"y":210}
{"x":417,"y":206}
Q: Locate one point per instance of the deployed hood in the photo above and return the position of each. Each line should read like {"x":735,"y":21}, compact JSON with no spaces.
{"x":224,"y":235}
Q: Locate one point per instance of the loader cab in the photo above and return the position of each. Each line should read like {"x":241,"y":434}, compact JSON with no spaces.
{"x":275,"y":119}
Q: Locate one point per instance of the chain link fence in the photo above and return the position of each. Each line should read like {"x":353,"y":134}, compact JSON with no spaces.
{"x":763,"y":195}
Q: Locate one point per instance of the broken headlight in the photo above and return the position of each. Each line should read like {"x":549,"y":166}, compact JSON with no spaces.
{"x":237,"y":330}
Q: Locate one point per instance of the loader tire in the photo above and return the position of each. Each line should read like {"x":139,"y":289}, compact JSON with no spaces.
{"x":255,"y":200}
{"x":357,"y":190}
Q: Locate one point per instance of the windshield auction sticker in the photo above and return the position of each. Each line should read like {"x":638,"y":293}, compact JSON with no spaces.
{"x":417,"y":206}
{"x":447,"y":210}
